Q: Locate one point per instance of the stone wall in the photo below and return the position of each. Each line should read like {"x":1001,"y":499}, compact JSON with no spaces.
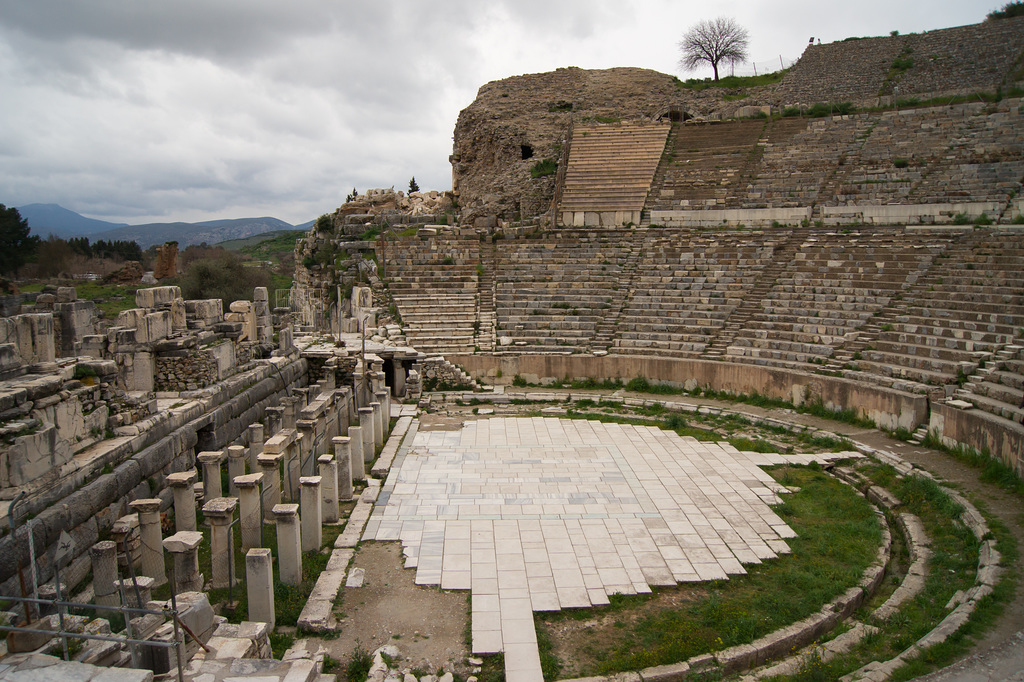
{"x":886,"y":407}
{"x":86,"y":502}
{"x":980,"y":430}
{"x":186,"y":370}
{"x":951,"y":61}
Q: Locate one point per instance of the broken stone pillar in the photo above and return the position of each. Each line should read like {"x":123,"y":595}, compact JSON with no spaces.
{"x":399,"y":373}
{"x":358,"y":389}
{"x":285,"y":344}
{"x":343,"y":463}
{"x":384,"y":398}
{"x":211,"y":462}
{"x":125,"y":534}
{"x":179,"y":316}
{"x":184,"y":546}
{"x":291,"y":411}
{"x":274,"y":417}
{"x":376,"y":373}
{"x":312,"y":517}
{"x":378,"y":424}
{"x":166,"y":261}
{"x":355,"y":434}
{"x":307,"y":430}
{"x":289,"y":547}
{"x":369,"y":433}
{"x":241,"y":311}
{"x":236,"y":467}
{"x":290,"y":485}
{"x":256,"y":440}
{"x":184,"y":499}
{"x":133,"y":599}
{"x":329,"y":488}
{"x":249,"y":517}
{"x":220,"y":512}
{"x":259,"y":585}
{"x":104,"y":573}
{"x":270,"y":467}
{"x":261,"y":311}
{"x":151,"y":538}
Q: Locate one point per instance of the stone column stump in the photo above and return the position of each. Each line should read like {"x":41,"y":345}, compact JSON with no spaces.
{"x":328,"y":488}
{"x":152,"y":539}
{"x":184,"y":499}
{"x":211,"y":462}
{"x":184,"y":545}
{"x":259,"y":585}
{"x":104,"y":574}
{"x":256,"y":440}
{"x":343,"y":461}
{"x":289,"y":547}
{"x":270,"y":467}
{"x":236,"y":467}
{"x":249,"y":516}
{"x":367,"y":428}
{"x":220,"y":512}
{"x":310,"y":513}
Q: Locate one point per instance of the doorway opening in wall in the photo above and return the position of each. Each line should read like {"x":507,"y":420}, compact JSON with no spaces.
{"x":206,"y":439}
{"x":526,"y":151}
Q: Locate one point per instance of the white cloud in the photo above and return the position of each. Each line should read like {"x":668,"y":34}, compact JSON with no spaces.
{"x":198,"y":109}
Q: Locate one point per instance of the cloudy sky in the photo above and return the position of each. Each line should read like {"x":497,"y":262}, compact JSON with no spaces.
{"x":154,"y":110}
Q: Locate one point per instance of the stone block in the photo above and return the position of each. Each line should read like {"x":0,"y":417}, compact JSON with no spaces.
{"x":33,"y":335}
{"x":205,"y":312}
{"x":155,"y":297}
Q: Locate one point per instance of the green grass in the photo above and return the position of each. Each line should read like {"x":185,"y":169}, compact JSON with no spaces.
{"x":951,"y":568}
{"x":266,"y":245}
{"x":838,"y":539}
{"x":733,"y":81}
{"x":993,"y":469}
{"x":544,"y":168}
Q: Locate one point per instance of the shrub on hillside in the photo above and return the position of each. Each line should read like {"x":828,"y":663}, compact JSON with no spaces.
{"x":224,"y":276}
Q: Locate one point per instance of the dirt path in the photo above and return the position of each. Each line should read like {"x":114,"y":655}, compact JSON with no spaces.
{"x":427,"y":625}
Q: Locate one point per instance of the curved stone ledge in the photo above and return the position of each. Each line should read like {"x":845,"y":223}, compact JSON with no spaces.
{"x":986,"y":578}
{"x":745,"y":656}
{"x":780,"y":642}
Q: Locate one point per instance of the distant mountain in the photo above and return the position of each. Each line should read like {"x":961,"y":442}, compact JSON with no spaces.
{"x":211,"y":231}
{"x":46,"y":219}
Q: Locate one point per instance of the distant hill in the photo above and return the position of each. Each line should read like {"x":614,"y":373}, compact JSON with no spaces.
{"x":46,"y":219}
{"x":249,"y":243}
{"x":211,"y":231}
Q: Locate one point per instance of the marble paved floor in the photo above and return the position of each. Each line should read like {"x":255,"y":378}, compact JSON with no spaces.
{"x":540,"y":514}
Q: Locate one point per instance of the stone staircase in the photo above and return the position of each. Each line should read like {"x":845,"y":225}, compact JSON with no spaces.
{"x":996,"y":387}
{"x":434,"y":284}
{"x":609,"y":173}
{"x":753,"y":301}
{"x":605,"y":332}
{"x":486,"y":333}
{"x":706,"y":165}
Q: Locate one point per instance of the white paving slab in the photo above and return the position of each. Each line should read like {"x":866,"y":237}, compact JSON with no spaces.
{"x":539,"y":514}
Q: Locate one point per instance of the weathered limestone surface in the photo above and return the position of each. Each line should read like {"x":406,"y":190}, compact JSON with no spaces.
{"x":163,"y":444}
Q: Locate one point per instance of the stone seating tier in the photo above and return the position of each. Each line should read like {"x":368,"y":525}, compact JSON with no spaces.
{"x":960,"y":153}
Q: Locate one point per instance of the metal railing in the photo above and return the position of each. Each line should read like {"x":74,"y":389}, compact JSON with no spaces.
{"x":128,"y":639}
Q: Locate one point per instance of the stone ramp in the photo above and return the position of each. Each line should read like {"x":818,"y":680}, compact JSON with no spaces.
{"x":609,"y":173}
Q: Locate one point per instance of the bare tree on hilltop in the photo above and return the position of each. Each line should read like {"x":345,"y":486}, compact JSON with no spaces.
{"x":715,"y":41}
